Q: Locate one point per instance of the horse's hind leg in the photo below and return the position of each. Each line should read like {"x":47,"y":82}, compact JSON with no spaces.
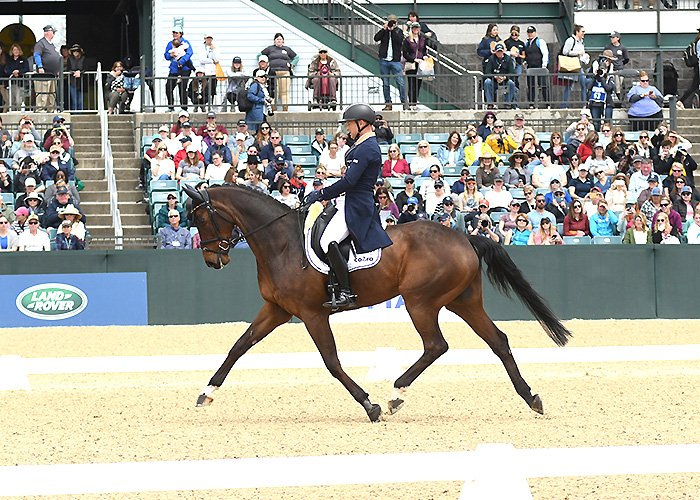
{"x":470,"y":308}
{"x":320,"y":331}
{"x":425,"y":319}
{"x":269,"y":317}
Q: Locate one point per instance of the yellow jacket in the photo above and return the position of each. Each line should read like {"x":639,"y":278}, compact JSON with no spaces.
{"x":471,"y":155}
{"x":501,"y":144}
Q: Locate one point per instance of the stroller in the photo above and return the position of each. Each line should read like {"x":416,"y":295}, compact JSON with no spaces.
{"x":324,"y":83}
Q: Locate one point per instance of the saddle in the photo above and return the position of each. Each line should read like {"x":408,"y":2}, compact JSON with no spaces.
{"x":317,"y":257}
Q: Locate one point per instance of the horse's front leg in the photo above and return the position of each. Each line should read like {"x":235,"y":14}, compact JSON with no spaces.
{"x":320,"y":331}
{"x":269,"y":317}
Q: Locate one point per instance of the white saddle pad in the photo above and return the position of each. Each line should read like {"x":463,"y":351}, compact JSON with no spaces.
{"x":357,"y":261}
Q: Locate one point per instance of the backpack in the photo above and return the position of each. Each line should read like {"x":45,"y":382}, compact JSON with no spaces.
{"x":690,"y":55}
{"x":244,"y":104}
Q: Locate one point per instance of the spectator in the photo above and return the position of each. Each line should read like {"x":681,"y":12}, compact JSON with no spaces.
{"x":545,"y":171}
{"x":617,"y":194}
{"x":487,"y":45}
{"x":182,"y":117}
{"x":498,"y":197}
{"x":239,"y":152}
{"x":242,"y":128}
{"x":673,"y":216}
{"x":558,"y":205}
{"x":676,"y":173}
{"x":162,"y":167}
{"x":539,"y":213}
{"x":67,"y":241}
{"x":536,"y":56}
{"x":599,"y":162}
{"x":664,"y":233}
{"x":33,"y":239}
{"x":382,"y":130}
{"x":693,"y":234}
{"x":639,"y":180}
{"x":8,"y":238}
{"x":678,"y":142}
{"x":639,"y":233}
{"x":220,"y":147}
{"x":76,"y":63}
{"x":179,"y":54}
{"x":390,"y":39}
{"x":475,"y":148}
{"x":162,"y":219}
{"x":236,"y":81}
{"x":261,"y":101}
{"x":606,"y":130}
{"x":521,"y":234}
{"x":332,"y":160}
{"x":456,"y":217}
{"x":471,"y":197}
{"x":545,"y":234}
{"x":29,"y":148}
{"x":604,"y":222}
{"x":198,"y":90}
{"x":48,"y":61}
{"x":35,"y":205}
{"x":60,"y":202}
{"x":653,"y":204}
{"x":460,"y":185}
{"x":408,"y":192}
{"x":191,"y":167}
{"x":267,"y":153}
{"x":254,"y":180}
{"x":433,"y":194}
{"x":621,"y":55}
{"x":385,"y":204}
{"x":115,"y":91}
{"x":17,"y":66}
{"x":216,"y":170}
{"x":323,"y":77}
{"x":555,"y":186}
{"x":282,"y":60}
{"x":497,"y":69}
{"x":618,"y":146}
{"x":208,"y":61}
{"x":685,"y":205}
{"x":530,"y":147}
{"x":486,"y":127}
{"x":516,"y":48}
{"x":424,"y":162}
{"x":319,"y":144}
{"x":211,"y":123}
{"x":484,"y":227}
{"x":58,"y":133}
{"x":5,"y":180}
{"x":581,"y":185}
{"x":487,"y":170}
{"x":518,"y":129}
{"x":529,"y":204}
{"x":601,"y":88}
{"x":602,"y":180}
{"x":574,"y":47}
{"x":410,"y":211}
{"x":515,"y":175}
{"x":53,"y":164}
{"x":695,"y":83}
{"x":646,"y":102}
{"x":451,"y":154}
{"x":585,"y":149}
{"x":413,"y":49}
{"x":576,"y":222}
{"x":424,"y":29}
{"x":73,"y":216}
{"x":20,"y":222}
{"x":679,"y":184}
{"x":499,"y":141}
{"x":187,"y":132}
{"x":559,"y":151}
{"x":277,"y":171}
{"x":579,"y":134}
{"x":173,"y":236}
{"x":508,"y":220}
{"x":29,"y":185}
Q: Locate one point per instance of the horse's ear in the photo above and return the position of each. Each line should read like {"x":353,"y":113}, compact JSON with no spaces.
{"x":195,"y":195}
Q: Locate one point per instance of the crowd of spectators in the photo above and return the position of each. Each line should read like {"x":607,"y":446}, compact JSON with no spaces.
{"x":40,"y":190}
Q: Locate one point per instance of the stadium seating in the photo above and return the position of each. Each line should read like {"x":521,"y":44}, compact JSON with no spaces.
{"x":384,"y":148}
{"x":162,"y":185}
{"x":305,"y":161}
{"x":8,"y":199}
{"x":438,"y":139}
{"x":408,"y":149}
{"x":577,"y":240}
{"x":296,"y":139}
{"x":607,"y":240}
{"x":407,"y":138}
{"x":300,"y":149}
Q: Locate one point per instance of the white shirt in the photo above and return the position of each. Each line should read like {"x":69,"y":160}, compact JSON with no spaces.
{"x":693,"y":234}
{"x":498,"y":198}
{"x":216,"y":173}
{"x":34,"y":242}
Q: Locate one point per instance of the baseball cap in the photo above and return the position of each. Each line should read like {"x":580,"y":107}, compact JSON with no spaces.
{"x":211,"y":114}
{"x":412,"y":200}
{"x":280,"y":159}
{"x":615,"y":34}
{"x":58,"y":118}
{"x":163,"y":128}
{"x":531,"y":29}
{"x":22,"y":211}
{"x":484,"y":203}
{"x":49,"y":27}
{"x":319,"y":131}
{"x":583,"y":167}
{"x":258,"y":73}
{"x":240,"y":136}
{"x":156,"y":138}
{"x":253,"y":160}
{"x":653,"y":177}
{"x":185,"y":138}
{"x":636,"y":158}
{"x":499,"y":46}
{"x":241,"y":123}
{"x":30,"y":181}
{"x":443,"y":217}
{"x":236,"y":60}
{"x":27,"y":138}
{"x":66,"y":223}
{"x":656,"y":191}
{"x":519,"y":116}
{"x":172,"y":211}
{"x":263,"y":57}
{"x":439,"y":183}
{"x":62,"y":190}
{"x":171,"y":196}
{"x":33,"y":217}
{"x":409,"y":178}
{"x":379,"y":182}
{"x":687,"y":189}
{"x":186,"y":124}
{"x":447,"y":200}
{"x":184,"y":112}
{"x":317,"y":182}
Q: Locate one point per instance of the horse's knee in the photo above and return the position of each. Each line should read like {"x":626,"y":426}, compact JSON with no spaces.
{"x":437,"y":349}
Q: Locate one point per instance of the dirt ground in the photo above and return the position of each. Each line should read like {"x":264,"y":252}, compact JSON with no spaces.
{"x":80,"y":418}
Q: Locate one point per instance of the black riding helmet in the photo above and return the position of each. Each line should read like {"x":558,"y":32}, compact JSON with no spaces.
{"x":357,"y":112}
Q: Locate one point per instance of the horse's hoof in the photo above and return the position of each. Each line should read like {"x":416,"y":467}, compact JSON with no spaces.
{"x":536,"y":404}
{"x":374,"y":413}
{"x":204,"y":400}
{"x":395,"y":405}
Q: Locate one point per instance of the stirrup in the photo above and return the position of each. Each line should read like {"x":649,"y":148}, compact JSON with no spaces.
{"x":342,"y":300}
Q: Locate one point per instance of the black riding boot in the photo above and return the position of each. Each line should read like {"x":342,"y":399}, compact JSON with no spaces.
{"x":339,"y":266}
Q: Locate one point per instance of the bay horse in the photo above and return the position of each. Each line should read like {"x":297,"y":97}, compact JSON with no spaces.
{"x":429,"y":265}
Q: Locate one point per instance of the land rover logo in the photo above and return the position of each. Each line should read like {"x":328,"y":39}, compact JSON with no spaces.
{"x":51,"y":301}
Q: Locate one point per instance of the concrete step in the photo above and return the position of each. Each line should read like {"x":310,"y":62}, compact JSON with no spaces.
{"x":127,"y":219}
{"x":90,"y":173}
{"x":132,"y":208}
{"x":143,"y":230}
{"x":119,"y":155}
{"x":92,"y":149}
{"x":93,"y":192}
{"x":94,"y":208}
{"x":128,"y":185}
{"x":129,"y":196}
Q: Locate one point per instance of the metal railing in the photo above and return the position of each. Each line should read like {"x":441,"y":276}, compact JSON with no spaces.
{"x":106,"y":148}
{"x":637,"y":4}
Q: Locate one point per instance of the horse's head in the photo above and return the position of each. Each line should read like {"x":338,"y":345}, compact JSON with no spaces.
{"x":217,"y":230}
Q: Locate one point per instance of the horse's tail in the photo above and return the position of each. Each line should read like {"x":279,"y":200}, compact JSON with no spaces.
{"x":505,"y":276}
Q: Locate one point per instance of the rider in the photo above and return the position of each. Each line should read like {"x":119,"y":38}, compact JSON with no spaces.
{"x":357,"y":214}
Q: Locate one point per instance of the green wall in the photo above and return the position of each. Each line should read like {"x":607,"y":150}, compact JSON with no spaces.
{"x":589,"y":282}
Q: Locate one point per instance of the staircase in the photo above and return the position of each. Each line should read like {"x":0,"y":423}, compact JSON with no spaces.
{"x":95,"y":197}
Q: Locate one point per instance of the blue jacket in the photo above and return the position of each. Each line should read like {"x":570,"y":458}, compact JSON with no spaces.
{"x":364,"y":164}
{"x":443,"y":155}
{"x":256,"y":115}
{"x":223,"y":149}
{"x":267,"y":152}
{"x":178,"y":65}
{"x":603,"y":226}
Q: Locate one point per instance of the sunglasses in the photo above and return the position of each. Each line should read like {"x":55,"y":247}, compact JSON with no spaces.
{"x":264,"y":128}
{"x":556,"y":137}
{"x":434,"y":171}
{"x":162,"y":149}
{"x":54,"y":152}
{"x":410,"y":181}
{"x":545,"y":222}
{"x":218,"y":138}
{"x":471,"y":137}
{"x":173,"y":216}
{"x":287,"y":186}
{"x":580,"y":129}
{"x":577,"y":206}
{"x":3,"y":222}
{"x":680,"y":182}
{"x":619,"y":134}
{"x":382,"y":196}
{"x":643,"y":136}
{"x":521,"y":220}
{"x":676,"y":170}
{"x":685,"y":194}
{"x":422,"y":147}
{"x":645,"y":80}
{"x":32,"y":223}
{"x":605,"y":131}
{"x":665,"y":204}
{"x":527,"y":139}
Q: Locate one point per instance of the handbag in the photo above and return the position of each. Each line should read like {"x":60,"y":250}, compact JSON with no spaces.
{"x":569,"y":64}
{"x":409,"y":66}
{"x":426,"y":68}
{"x":220,"y":75}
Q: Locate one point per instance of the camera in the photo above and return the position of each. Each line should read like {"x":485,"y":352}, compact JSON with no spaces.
{"x":600,"y":72}
{"x":411,"y":209}
{"x":391,"y":24}
{"x":484,"y":223}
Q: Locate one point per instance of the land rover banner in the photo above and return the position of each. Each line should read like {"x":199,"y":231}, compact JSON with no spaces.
{"x":74,"y":299}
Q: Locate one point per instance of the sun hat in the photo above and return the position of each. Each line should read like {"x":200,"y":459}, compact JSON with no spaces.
{"x":70,"y":210}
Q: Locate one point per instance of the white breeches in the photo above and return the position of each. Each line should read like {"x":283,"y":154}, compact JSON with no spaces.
{"x":337,"y":229}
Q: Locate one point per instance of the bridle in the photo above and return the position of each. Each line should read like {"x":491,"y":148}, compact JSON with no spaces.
{"x":225,"y":244}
